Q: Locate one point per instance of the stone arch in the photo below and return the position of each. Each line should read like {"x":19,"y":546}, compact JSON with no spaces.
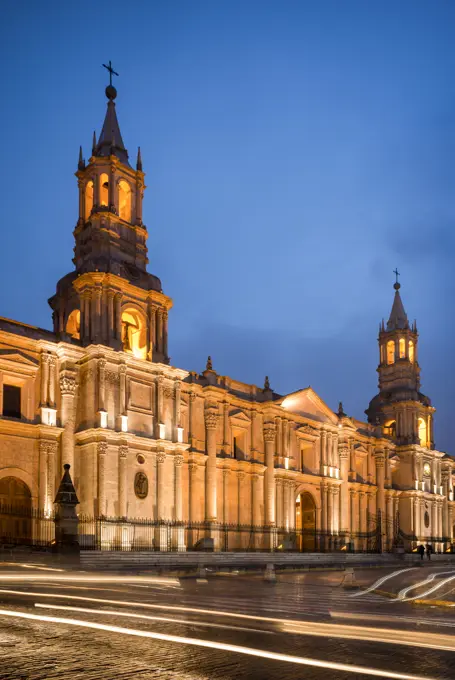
{"x":306,"y":518}
{"x":24,"y":477}
{"x":134,"y":330}
{"x":73,"y":324}
{"x":125,"y":199}
{"x":15,"y":510}
{"x":88,"y":198}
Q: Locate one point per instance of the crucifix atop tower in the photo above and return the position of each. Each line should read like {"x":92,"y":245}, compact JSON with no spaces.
{"x":111,"y":72}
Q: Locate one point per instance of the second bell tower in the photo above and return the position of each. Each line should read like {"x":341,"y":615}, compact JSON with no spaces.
{"x":400,"y":408}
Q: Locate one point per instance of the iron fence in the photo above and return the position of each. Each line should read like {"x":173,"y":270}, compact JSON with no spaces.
{"x":26,"y":526}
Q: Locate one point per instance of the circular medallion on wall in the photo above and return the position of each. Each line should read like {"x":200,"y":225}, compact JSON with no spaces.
{"x":426,"y":519}
{"x":140,"y":459}
{"x":427,"y":469}
{"x":141,"y":485}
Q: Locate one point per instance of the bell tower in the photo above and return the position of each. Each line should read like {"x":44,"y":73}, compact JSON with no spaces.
{"x":405,"y":414}
{"x":110,"y":298}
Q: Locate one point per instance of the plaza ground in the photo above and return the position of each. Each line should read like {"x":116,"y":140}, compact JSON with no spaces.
{"x":309,"y":617}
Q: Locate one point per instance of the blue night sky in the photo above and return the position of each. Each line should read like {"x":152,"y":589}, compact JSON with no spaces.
{"x":296,"y":153}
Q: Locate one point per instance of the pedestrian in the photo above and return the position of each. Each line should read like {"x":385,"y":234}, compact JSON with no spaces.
{"x":421,"y":550}
{"x":429,"y":551}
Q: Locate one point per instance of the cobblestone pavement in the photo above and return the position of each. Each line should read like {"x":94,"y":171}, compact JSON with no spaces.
{"x":220,"y":611}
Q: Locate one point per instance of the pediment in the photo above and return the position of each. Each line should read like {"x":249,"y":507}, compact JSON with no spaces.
{"x":18,"y":357}
{"x":361,"y":451}
{"x":238,"y":414}
{"x":309,"y":404}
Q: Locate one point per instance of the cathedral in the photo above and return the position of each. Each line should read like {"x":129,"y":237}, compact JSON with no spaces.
{"x":147,"y":440}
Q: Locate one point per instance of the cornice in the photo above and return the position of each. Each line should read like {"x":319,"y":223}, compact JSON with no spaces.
{"x":90,"y":279}
{"x":18,"y":428}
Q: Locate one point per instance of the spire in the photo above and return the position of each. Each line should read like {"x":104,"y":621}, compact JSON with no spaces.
{"x":398,"y":319}
{"x":66,"y":492}
{"x":209,"y":365}
{"x":94,"y":143}
{"x":139,"y":159}
{"x":81,"y":163}
{"x":110,"y":139}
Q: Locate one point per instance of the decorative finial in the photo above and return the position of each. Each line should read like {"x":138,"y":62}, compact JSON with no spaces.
{"x":266,"y":384}
{"x":94,"y":143}
{"x":209,"y":366}
{"x":111,"y":92}
{"x":139,"y":159}
{"x":81,"y":163}
{"x":341,"y":413}
{"x":66,"y":466}
{"x":396,"y":285}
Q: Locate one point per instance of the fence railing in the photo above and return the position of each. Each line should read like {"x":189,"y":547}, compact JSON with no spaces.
{"x":21,"y":526}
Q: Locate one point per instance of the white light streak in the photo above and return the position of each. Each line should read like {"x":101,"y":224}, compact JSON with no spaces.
{"x":402,"y":594}
{"x":83,"y":578}
{"x":105,"y":612}
{"x":380,"y":581}
{"x":304,"y":661}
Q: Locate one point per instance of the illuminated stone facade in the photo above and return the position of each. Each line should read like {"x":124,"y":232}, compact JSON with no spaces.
{"x":146,"y":439}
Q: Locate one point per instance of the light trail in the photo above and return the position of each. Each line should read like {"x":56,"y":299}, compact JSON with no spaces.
{"x":380,"y":581}
{"x":30,"y":566}
{"x":161,"y":580}
{"x":105,"y":612}
{"x":402,"y":594}
{"x":385,"y":618}
{"x":222,"y":646}
{"x":388,"y":636}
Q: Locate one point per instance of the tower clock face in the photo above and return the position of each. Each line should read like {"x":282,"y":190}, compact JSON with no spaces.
{"x":427,"y":469}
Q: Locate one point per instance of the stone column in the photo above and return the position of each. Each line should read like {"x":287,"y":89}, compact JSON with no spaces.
{"x":43,"y":487}
{"x":85,"y":322}
{"x":52,"y":367}
{"x":279,"y":502}
{"x":323,"y":452}
{"x":269,"y":476}
{"x":159,"y":330}
{"x":150,"y":331}
{"x":440,"y":520}
{"x":352,"y":462}
{"x":291,"y":507}
{"x":324,"y":505}
{"x":193,"y":470}
{"x":52,"y":450}
{"x":286,"y":504}
{"x":253,"y":434}
{"x":362,"y":512}
{"x":256,"y":512}
{"x":122,"y":382}
{"x":450,"y":534}
{"x":354,"y":525}
{"x":118,"y":318}
{"x":68,"y":391}
{"x":225,"y":473}
{"x":191,"y":400}
{"x":389,"y":505}
{"x":329,"y":449}
{"x":278,"y":441}
{"x":434,"y":519}
{"x":343,"y":452}
{"x":179,"y":538}
{"x":101,"y":454}
{"x":329,"y":510}
{"x":335,"y":461}
{"x":122,"y":488}
{"x":159,"y":403}
{"x":211,"y":422}
{"x":417,"y":514}
{"x":226,"y":442}
{"x":165,"y":322}
{"x":242,"y":541}
{"x":177,"y":393}
{"x":110,"y":316}
{"x":162,"y":531}
{"x":101,"y":383}
{"x":445,"y":505}
{"x":380,"y":462}
{"x":44,"y":378}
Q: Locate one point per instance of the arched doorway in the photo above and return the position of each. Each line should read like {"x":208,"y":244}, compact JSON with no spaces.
{"x":15,"y":511}
{"x":305,"y":522}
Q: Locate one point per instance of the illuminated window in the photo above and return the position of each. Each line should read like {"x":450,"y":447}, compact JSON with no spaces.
{"x":133,"y":334}
{"x":104,"y":189}
{"x":402,"y":346}
{"x":382,"y":353}
{"x":411,"y":351}
{"x":73,"y":325}
{"x":390,"y":429}
{"x":422,"y":432}
{"x":124,"y":200}
{"x":88,"y":199}
{"x":391,"y":352}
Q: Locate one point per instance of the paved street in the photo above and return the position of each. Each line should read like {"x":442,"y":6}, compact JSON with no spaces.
{"x":231,"y":626}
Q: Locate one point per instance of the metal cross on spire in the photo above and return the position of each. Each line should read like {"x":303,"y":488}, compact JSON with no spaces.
{"x":397,"y":274}
{"x":111,"y":72}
